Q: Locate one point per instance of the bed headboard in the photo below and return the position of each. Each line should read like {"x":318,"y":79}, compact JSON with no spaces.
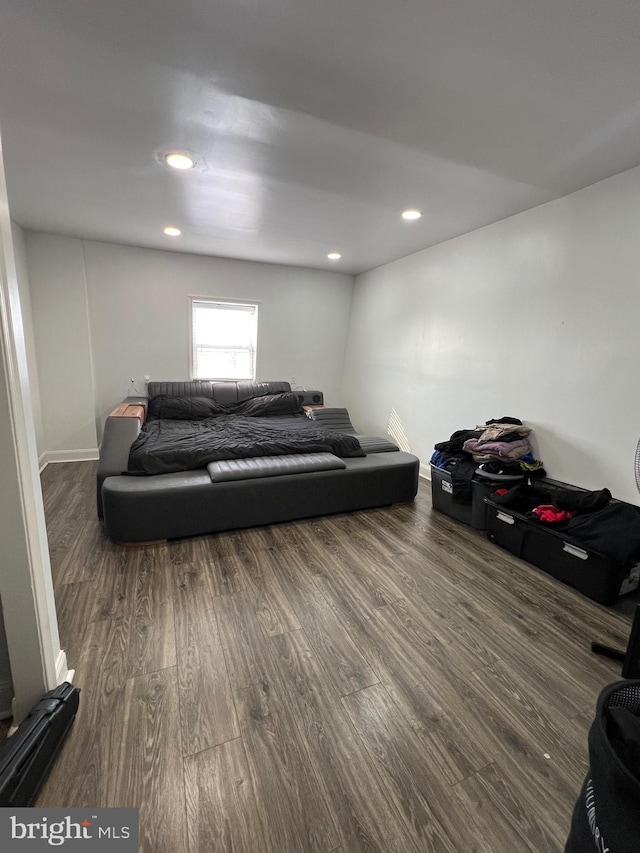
{"x":223,"y":392}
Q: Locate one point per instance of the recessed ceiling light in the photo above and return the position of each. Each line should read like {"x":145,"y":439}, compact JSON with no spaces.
{"x":412,"y":213}
{"x":172,"y":231}
{"x":334,"y":256}
{"x":179,"y":160}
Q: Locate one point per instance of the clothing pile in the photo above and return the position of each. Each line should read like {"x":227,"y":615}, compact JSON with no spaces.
{"x":502,"y":440}
{"x":593,"y":519}
{"x":498,"y":447}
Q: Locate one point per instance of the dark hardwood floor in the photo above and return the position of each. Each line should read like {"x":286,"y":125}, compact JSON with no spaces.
{"x":380,"y":681}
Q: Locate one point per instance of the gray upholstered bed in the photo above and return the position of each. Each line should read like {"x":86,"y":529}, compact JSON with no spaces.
{"x":228,"y":493}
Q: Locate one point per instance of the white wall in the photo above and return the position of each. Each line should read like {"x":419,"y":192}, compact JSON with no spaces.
{"x":104,"y":313}
{"x":61,"y":329}
{"x":6,"y":682}
{"x":17,"y":235}
{"x":29,"y":616}
{"x":537,"y":316}
{"x":139,"y":316}
{"x":20,"y":251}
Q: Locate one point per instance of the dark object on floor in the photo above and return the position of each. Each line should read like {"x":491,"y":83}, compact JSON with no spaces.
{"x":606,"y":812}
{"x":593,"y":572}
{"x":630,"y":659}
{"x":443,"y":497}
{"x":28,"y":755}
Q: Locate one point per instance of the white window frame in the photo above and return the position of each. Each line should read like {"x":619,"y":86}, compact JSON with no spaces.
{"x":225,"y":301}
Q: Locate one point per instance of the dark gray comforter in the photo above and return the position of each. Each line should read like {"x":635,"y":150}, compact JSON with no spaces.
{"x":165,"y":446}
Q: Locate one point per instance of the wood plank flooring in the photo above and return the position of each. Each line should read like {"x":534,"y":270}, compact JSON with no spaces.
{"x":378,"y":681}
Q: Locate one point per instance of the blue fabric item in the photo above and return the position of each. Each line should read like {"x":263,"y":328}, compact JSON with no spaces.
{"x":528,"y":457}
{"x":439,"y":459}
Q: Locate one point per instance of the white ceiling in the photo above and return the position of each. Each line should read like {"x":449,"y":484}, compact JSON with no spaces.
{"x":314,"y":123}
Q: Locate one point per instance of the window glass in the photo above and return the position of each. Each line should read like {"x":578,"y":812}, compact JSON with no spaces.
{"x":224,"y":339}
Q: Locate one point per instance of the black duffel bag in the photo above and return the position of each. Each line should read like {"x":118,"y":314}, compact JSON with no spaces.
{"x":606,"y":817}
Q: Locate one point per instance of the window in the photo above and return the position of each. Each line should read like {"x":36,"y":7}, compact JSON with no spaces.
{"x":223,"y":339}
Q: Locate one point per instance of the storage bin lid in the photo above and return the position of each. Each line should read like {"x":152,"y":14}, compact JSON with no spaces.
{"x":499,"y":478}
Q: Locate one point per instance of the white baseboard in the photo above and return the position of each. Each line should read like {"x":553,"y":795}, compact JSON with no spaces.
{"x":62,"y":672}
{"x":6,"y":700}
{"x":52,"y":456}
{"x":425,"y":471}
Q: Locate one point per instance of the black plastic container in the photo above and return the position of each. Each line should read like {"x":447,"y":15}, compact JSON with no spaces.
{"x":594,"y":575}
{"x":474,"y":513}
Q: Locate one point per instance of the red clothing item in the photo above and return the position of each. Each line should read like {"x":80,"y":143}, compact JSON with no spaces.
{"x":500,"y":492}
{"x":549,"y":513}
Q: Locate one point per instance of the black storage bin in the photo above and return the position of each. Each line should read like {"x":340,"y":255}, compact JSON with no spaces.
{"x":474,"y":513}
{"x":594,"y":575}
